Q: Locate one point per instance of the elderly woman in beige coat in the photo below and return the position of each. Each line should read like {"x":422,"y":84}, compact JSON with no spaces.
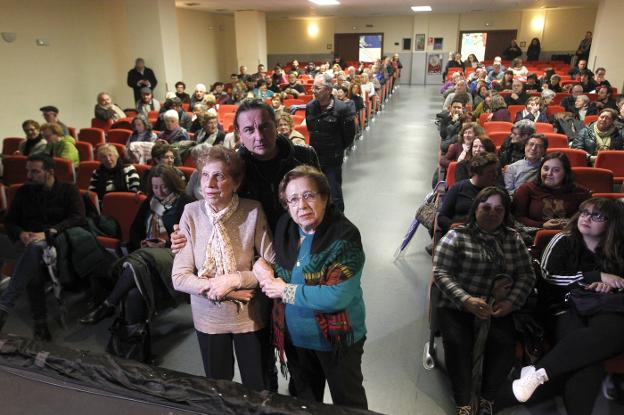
{"x":225,"y":234}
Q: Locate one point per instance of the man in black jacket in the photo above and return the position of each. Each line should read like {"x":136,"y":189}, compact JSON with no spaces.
{"x":42,"y":207}
{"x":141,"y":76}
{"x":331,"y":124}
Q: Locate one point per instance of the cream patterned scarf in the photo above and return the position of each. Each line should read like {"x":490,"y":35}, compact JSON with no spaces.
{"x":603,"y":138}
{"x":219,"y":252}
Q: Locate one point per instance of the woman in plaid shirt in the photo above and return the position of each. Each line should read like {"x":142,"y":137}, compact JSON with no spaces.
{"x":466,"y":261}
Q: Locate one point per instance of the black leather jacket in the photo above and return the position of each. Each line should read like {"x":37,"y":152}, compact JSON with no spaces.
{"x":332,"y":131}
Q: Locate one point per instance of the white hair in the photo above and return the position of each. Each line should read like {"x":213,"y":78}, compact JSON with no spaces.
{"x":200,"y":87}
{"x":171,"y":115}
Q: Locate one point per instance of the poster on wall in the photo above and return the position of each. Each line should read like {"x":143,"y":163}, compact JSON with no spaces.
{"x":438,"y":42}
{"x":370,"y":47}
{"x":419,"y":42}
{"x":434,"y":64}
{"x":474,"y":43}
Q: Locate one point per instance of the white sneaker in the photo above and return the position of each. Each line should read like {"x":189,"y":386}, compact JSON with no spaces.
{"x":529,"y":380}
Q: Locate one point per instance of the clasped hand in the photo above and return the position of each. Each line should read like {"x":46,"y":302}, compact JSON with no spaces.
{"x":272,"y":287}
{"x":480,"y":308}
{"x":219,"y":287}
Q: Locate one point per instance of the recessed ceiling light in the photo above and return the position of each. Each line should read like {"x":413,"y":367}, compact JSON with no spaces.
{"x":325,"y":2}
{"x":421,"y":9}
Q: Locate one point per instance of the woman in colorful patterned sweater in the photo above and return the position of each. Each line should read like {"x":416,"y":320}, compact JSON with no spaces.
{"x":318,"y":316}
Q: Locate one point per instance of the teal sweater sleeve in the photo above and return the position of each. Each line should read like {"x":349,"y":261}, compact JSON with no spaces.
{"x":329,"y":298}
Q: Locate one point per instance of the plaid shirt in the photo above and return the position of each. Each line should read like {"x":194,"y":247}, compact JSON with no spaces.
{"x":465,"y":266}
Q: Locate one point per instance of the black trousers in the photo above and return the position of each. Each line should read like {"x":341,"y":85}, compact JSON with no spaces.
{"x":581,"y":346}
{"x":251,"y":351}
{"x":126,"y":290}
{"x":310,"y":369}
{"x":458,"y":337}
{"x":334,"y":176}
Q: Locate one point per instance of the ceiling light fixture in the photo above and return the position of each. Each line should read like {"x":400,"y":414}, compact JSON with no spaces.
{"x":325,"y":2}
{"x":418,"y":9}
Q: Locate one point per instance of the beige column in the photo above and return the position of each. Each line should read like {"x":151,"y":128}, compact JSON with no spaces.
{"x":606,"y":49}
{"x":251,"y":39}
{"x":153,"y":36}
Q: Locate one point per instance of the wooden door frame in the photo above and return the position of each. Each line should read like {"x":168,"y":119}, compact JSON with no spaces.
{"x":362,"y":34}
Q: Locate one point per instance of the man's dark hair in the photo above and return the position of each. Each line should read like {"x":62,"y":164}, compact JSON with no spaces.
{"x":48,"y":162}
{"x":540,"y":137}
{"x":180,"y":83}
{"x":253,"y":104}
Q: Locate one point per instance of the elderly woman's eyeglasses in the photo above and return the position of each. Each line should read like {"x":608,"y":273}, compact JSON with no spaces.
{"x":594,"y":216}
{"x":305,"y":196}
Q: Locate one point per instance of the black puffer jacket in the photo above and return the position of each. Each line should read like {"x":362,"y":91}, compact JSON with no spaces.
{"x":332,"y":131}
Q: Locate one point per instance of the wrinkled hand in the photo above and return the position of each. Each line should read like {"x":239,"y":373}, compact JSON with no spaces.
{"x":178,"y":240}
{"x":502,"y":308}
{"x":28,"y":238}
{"x":599,"y":287}
{"x":220,"y":286}
{"x":241,"y":295}
{"x":555,"y":223}
{"x":612,"y":280}
{"x":262,"y":270}
{"x":478,"y":307}
{"x":273,"y":287}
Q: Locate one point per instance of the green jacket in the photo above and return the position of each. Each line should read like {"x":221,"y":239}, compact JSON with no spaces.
{"x":66,"y":148}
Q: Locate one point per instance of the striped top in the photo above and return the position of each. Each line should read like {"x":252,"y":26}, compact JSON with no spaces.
{"x":131,"y":176}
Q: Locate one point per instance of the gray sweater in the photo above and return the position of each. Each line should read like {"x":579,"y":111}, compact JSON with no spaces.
{"x":250,"y":237}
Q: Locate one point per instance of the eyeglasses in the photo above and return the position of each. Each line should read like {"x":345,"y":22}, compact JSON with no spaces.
{"x":499,"y":210}
{"x":594,"y":216}
{"x":306,"y":197}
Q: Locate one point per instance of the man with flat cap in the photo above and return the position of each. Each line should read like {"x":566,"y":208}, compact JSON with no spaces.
{"x":141,"y":76}
{"x":50,"y":114}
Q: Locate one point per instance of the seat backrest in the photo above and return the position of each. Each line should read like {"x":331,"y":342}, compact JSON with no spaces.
{"x":544,"y":127}
{"x":64,"y":170}
{"x":188,"y":171}
{"x":554,"y":109}
{"x":92,"y":196}
{"x":225,"y":108}
{"x":289,"y":102}
{"x":450,"y":174}
{"x":498,"y":137}
{"x":94,"y":136}
{"x":123,"y":207}
{"x":11,"y":191}
{"x":556,"y":140}
{"x":306,"y":98}
{"x":614,"y":196}
{"x":611,"y":160}
{"x":590,"y":119}
{"x":104,"y":125}
{"x":594,"y":179}
{"x":141,"y":169}
{"x":542,"y":238}
{"x":304,"y":131}
{"x":483,"y":118}
{"x":490,"y":126}
{"x":14,"y":169}
{"x":85,"y":150}
{"x":514,"y":109}
{"x":123,"y":123}
{"x":72,"y":132}
{"x":118,"y":135}
{"x":10,"y":145}
{"x":84,"y":173}
{"x":121,"y":149}
{"x":578,"y":158}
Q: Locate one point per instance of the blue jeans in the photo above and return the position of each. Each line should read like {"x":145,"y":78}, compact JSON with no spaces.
{"x":30,"y":275}
{"x":334,"y":176}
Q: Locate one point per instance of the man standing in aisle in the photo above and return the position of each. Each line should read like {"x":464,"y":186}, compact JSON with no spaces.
{"x":139,"y":77}
{"x":331,"y":124}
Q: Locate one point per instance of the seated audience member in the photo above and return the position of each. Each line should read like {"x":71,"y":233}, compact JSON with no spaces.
{"x":499,"y":109}
{"x":180,"y":91}
{"x":518,"y":68}
{"x":276,"y":103}
{"x":224,"y":236}
{"x":484,"y":172}
{"x":581,"y":68}
{"x":449,"y":86}
{"x":175,"y":104}
{"x":566,"y":123}
{"x":518,"y":95}
{"x":458,"y":150}
{"x":286,"y":127}
{"x":105,"y":109}
{"x":480,"y":145}
{"x":220,"y":95}
{"x":294,"y":68}
{"x":35,"y":143}
{"x":162,"y":154}
{"x":113,"y":175}
{"x":293,"y":87}
{"x":619,"y":122}
{"x":273,"y":87}
{"x":484,"y":106}
{"x":43,"y":207}
{"x":451,"y":122}
{"x":512,"y":52}
{"x":604,"y":100}
{"x":141,"y":130}
{"x":143,"y":278}
{"x":586,"y":255}
{"x":532,"y":84}
{"x":554,"y":83}
{"x":50,"y":115}
{"x":211,"y":103}
{"x":601,"y":134}
{"x":507,"y":82}
{"x":532,"y":111}
{"x":480,"y":78}
{"x":581,"y":107}
{"x":527,"y":169}
{"x":499,"y":60}
{"x":198,"y":95}
{"x":260,"y":74}
{"x":460,"y":88}
{"x":311,"y":69}
{"x":547,"y":98}
{"x":497,"y":73}
{"x":59,"y":145}
{"x":147,"y":102}
{"x":471,"y":61}
{"x":455,"y":62}
{"x":552,"y":199}
{"x":479,"y":95}
{"x":210,"y":133}
{"x":261,"y":91}
{"x":193,"y":187}
{"x":587,"y":82}
{"x":173,"y":132}
{"x":569,"y":102}
{"x":368,"y":87}
{"x":599,"y":78}
{"x":466,"y":263}
{"x":198,"y":111}
{"x":355,"y":94}
{"x":512,"y":148}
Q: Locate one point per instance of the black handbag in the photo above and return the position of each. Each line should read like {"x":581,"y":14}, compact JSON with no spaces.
{"x":130,"y":341}
{"x":588,"y":303}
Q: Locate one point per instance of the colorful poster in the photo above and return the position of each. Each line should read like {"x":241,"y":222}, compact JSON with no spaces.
{"x":434,"y":64}
{"x":370,"y":47}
